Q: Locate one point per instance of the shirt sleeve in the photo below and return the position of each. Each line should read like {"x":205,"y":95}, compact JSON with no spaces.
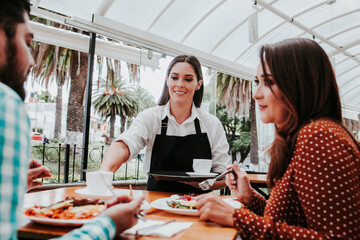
{"x":100,"y":228}
{"x":137,"y":136}
{"x":326,"y":183}
{"x":14,"y":160}
{"x":219,"y":147}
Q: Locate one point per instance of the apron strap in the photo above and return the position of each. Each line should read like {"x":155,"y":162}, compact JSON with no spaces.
{"x":197,"y":126}
{"x":164,"y":124}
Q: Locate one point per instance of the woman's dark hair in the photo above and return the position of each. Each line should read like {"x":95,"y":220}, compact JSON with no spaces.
{"x":305,"y":77}
{"x":194,"y":62}
{"x":11,"y":14}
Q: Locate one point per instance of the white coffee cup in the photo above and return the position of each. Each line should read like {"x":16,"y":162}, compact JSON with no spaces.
{"x":95,"y":184}
{"x":202,"y":165}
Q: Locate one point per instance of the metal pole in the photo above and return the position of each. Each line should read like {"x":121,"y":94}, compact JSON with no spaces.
{"x":74,"y":156}
{"x":66,"y":165}
{"x":84,"y":159}
{"x":59,"y":162}
{"x":43,"y":159}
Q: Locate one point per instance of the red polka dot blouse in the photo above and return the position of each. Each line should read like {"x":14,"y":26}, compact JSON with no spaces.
{"x":319,"y":195}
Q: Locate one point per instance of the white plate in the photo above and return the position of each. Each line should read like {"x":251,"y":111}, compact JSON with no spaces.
{"x":59,"y":222}
{"x":194,"y":174}
{"x":162,"y":205}
{"x":144,"y":206}
{"x":85,"y":192}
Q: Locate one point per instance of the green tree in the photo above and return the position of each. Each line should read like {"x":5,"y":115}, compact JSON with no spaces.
{"x":144,"y":98}
{"x":237,"y":133}
{"x":114,"y":100}
{"x":235,"y":94}
{"x":45,"y":96}
{"x":52,"y":63}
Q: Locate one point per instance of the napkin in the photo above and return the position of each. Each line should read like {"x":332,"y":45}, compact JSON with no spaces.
{"x":166,"y":231}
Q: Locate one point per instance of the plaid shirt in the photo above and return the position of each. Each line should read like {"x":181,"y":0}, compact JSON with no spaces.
{"x":14,"y":161}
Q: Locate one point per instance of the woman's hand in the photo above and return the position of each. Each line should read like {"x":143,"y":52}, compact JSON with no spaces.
{"x":122,"y":210}
{"x":239,"y":184}
{"x":212,"y":207}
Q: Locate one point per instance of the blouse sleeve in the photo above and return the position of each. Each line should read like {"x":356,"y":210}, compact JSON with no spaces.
{"x":326,"y":180}
{"x":257,"y":203}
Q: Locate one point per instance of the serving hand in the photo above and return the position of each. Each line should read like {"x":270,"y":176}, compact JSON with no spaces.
{"x":36,"y":170}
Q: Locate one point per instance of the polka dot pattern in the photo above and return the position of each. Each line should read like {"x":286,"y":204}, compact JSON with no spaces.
{"x":319,"y":195}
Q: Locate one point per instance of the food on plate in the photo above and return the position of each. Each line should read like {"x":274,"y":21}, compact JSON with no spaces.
{"x":182,"y":201}
{"x":69,"y":208}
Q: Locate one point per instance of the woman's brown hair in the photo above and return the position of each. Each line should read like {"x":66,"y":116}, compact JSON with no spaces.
{"x":305,"y":77}
{"x":194,"y":62}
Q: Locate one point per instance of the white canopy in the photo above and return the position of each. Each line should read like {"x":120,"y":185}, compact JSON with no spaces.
{"x":218,"y":31}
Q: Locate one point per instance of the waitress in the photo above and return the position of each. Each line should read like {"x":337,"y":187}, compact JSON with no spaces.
{"x":175,"y":132}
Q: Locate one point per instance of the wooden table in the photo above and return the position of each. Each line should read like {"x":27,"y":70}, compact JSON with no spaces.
{"x":199,"y":230}
{"x":259,"y":181}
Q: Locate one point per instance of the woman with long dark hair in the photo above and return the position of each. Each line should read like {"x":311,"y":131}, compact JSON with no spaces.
{"x":314,"y":171}
{"x":175,"y":132}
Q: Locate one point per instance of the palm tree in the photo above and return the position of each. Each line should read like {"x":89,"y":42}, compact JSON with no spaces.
{"x":52,"y":62}
{"x":144,"y":98}
{"x":115,"y":100}
{"x":75,"y":111}
{"x":235,"y":94}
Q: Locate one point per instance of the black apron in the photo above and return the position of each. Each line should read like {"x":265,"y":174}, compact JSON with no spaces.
{"x":175,"y":153}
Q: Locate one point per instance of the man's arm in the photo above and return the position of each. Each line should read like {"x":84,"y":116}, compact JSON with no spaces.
{"x":117,"y":154}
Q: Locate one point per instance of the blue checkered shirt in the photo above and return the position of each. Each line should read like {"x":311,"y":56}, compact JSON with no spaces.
{"x":14,"y":161}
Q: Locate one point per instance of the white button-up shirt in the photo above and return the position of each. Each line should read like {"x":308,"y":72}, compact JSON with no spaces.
{"x":147,"y":124}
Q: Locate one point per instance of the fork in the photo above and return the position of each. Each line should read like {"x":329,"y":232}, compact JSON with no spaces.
{"x":207,"y":184}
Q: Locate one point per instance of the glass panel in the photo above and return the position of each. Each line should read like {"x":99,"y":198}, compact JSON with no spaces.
{"x":293,"y":7}
{"x":179,"y":18}
{"x":338,"y":25}
{"x":218,"y":24}
{"x":234,"y":44}
{"x":80,"y":8}
{"x":347,"y":37}
{"x":345,"y":66}
{"x":136,"y":13}
{"x":267,"y":21}
{"x":347,"y":77}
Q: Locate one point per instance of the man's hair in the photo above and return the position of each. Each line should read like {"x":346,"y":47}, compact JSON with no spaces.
{"x":11,"y":14}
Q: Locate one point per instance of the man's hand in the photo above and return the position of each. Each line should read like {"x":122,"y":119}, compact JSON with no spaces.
{"x":122,"y":210}
{"x":36,"y":170}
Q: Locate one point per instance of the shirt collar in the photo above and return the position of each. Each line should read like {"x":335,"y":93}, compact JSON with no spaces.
{"x":166,"y":113}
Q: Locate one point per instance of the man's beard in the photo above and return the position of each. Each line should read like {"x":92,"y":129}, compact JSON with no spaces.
{"x":10,"y":74}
